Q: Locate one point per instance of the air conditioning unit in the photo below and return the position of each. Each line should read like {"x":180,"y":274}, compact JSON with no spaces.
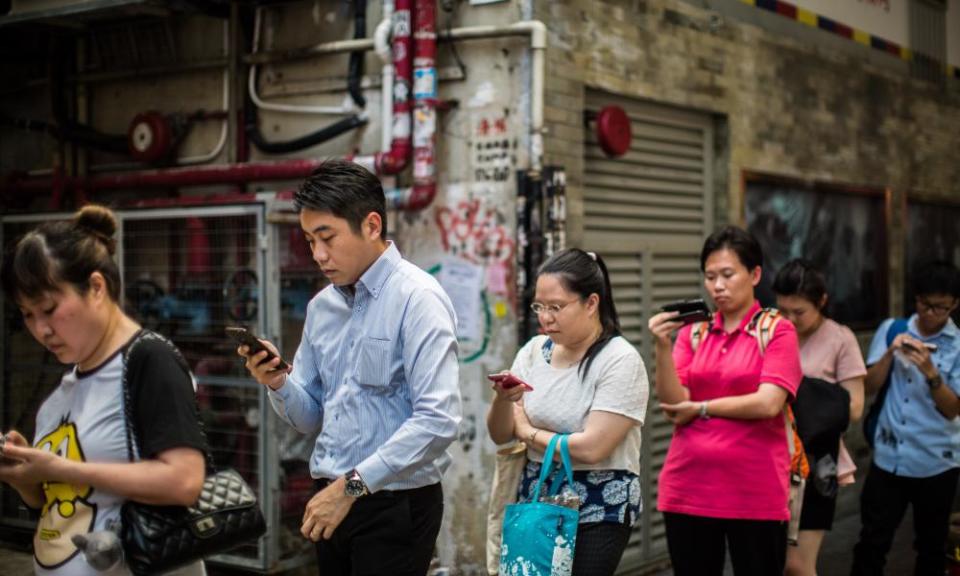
{"x":80,"y":12}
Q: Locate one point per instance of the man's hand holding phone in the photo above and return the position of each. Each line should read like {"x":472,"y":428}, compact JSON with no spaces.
{"x":917,"y":352}
{"x":508,"y":387}
{"x":263,"y":360}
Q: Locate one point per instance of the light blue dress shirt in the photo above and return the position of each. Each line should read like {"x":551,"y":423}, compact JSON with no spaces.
{"x":376,"y":373}
{"x":913,"y":437}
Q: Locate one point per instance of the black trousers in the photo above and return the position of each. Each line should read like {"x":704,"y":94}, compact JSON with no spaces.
{"x":698,"y":545}
{"x":599,"y":548}
{"x":389,"y":533}
{"x":883,"y":503}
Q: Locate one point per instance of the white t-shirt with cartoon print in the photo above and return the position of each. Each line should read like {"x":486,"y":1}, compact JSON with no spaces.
{"x":83,"y":420}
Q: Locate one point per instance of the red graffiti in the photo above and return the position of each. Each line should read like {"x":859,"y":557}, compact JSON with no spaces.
{"x":475,"y":233}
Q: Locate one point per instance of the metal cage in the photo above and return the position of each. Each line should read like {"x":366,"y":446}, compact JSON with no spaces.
{"x":188,"y":273}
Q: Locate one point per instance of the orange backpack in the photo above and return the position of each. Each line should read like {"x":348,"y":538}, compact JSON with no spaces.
{"x":761,"y":327}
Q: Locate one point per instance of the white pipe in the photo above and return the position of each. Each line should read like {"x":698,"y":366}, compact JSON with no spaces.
{"x":381,"y":43}
{"x":224,"y":127}
{"x":538,"y":46}
{"x":347,"y":108}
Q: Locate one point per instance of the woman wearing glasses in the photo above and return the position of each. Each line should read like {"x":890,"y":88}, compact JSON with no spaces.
{"x":587,"y":381}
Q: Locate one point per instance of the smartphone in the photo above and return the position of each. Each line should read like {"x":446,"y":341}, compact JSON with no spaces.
{"x":508,"y":381}
{"x":246,"y":338}
{"x":928,"y":345}
{"x":694,"y":310}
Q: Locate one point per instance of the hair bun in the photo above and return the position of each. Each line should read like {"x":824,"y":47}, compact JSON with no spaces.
{"x":99,"y":221}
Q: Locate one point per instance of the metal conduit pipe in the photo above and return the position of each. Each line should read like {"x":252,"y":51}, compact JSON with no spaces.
{"x":176,"y":177}
{"x":253,"y":75}
{"x":381,"y":42}
{"x":297,"y":169}
{"x":535,"y":29}
{"x":356,"y":65}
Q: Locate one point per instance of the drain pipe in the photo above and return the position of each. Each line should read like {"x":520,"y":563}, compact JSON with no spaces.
{"x":381,"y":45}
{"x":424,"y":113}
{"x":395,"y":159}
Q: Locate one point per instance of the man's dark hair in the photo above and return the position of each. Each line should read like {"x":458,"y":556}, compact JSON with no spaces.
{"x":937,"y":277}
{"x":345,"y":189}
{"x":741,"y":242}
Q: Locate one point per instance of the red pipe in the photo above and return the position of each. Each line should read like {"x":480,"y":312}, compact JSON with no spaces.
{"x":396,"y":159}
{"x":425,"y":106}
{"x":174,"y":177}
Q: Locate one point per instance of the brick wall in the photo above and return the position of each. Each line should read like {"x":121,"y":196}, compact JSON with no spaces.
{"x":788,"y":106}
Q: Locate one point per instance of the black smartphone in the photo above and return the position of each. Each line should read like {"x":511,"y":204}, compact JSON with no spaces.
{"x":928,"y":345}
{"x":246,"y":338}
{"x":694,"y":310}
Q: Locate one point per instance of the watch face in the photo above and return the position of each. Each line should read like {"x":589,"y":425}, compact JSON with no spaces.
{"x":355,"y":487}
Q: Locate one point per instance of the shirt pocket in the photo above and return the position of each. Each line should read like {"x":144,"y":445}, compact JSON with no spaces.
{"x":373,"y":362}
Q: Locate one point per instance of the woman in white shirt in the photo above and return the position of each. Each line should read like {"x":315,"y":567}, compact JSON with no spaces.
{"x":589,"y":382}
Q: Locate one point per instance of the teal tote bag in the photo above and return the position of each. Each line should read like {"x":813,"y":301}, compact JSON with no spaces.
{"x":539,"y":537}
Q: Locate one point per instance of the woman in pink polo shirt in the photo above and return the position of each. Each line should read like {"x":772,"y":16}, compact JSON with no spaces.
{"x":726,"y":477}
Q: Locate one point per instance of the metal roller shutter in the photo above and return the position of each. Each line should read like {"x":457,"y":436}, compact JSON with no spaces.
{"x":647,"y":213}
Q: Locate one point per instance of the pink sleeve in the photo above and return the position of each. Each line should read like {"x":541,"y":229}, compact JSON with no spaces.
{"x":683,"y":353}
{"x":849,"y":360}
{"x":781,"y":361}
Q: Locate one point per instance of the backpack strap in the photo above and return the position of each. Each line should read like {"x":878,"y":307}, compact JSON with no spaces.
{"x":762,"y":326}
{"x":698,"y":332}
{"x":898,"y":327}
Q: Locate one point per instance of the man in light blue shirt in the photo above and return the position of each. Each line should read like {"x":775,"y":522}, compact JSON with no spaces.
{"x":917,"y":441}
{"x":375,"y":377}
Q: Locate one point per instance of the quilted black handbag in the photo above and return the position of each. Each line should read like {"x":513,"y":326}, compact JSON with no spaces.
{"x":161,"y":538}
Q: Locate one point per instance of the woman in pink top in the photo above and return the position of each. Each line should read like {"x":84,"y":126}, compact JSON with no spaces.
{"x":829,"y":352}
{"x":726,"y":477}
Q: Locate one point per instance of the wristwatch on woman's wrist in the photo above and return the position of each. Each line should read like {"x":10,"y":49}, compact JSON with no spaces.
{"x":703,"y":410}
{"x":935,"y":382}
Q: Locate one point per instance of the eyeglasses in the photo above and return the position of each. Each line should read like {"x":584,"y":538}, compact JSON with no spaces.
{"x":935,"y":308}
{"x":554,"y":309}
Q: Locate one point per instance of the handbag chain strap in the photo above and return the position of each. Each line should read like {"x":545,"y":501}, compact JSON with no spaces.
{"x":133,"y":451}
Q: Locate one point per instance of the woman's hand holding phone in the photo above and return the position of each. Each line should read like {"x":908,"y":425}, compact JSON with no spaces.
{"x":508,"y":387}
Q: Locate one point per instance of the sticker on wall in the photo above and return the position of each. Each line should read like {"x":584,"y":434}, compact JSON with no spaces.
{"x":424,"y":126}
{"x":425,"y":83}
{"x":401,"y":126}
{"x":494,"y":151}
{"x":401,"y":23}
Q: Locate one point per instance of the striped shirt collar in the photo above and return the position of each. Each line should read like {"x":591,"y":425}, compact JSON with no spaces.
{"x":377,"y":274}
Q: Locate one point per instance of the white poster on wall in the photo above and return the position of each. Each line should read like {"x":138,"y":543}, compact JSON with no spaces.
{"x":463,"y":283}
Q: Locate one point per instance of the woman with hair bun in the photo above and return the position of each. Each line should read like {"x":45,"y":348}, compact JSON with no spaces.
{"x":76,"y":472}
{"x":589,"y":382}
